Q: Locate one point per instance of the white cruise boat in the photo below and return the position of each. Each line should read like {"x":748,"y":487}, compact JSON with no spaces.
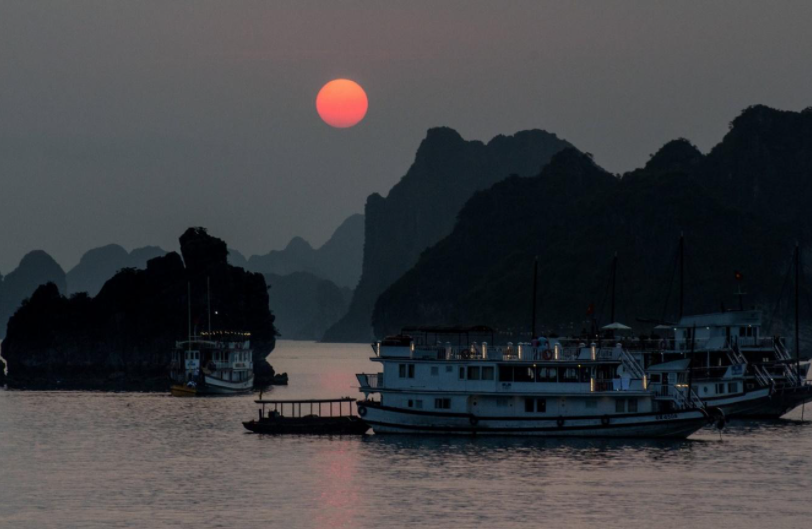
{"x":732,"y":366}
{"x":213,"y":363}
{"x":428,"y":385}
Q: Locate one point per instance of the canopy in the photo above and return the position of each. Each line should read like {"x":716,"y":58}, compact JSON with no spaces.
{"x":616,"y":327}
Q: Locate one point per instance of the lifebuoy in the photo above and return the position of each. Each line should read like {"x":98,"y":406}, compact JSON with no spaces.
{"x":560,"y":422}
{"x":605,"y":420}
{"x":473,"y":420}
{"x":547,"y":354}
{"x":362,"y":410}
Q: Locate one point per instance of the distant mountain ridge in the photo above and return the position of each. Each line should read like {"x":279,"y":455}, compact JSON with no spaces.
{"x":100,"y":264}
{"x":338,"y":259}
{"x":422,"y":208}
{"x":35,"y":268}
{"x":305,"y":305}
{"x":741,"y":207}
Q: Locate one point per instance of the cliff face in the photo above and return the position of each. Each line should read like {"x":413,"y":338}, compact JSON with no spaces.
{"x":100,"y":264}
{"x":35,"y":269}
{"x":337,"y":260}
{"x":123,"y":337}
{"x":422,"y":208}
{"x":306,"y":305}
{"x":740,"y":209}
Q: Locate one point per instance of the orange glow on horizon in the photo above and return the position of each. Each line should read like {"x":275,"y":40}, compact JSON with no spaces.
{"x":342,"y":103}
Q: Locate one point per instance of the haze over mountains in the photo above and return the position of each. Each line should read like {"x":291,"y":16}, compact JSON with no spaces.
{"x":741,"y":208}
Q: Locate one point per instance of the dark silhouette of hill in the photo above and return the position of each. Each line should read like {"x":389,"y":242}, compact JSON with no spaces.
{"x":100,"y":264}
{"x":338,"y":259}
{"x":306,"y":305}
{"x":741,"y":208}
{"x":123,"y":337}
{"x":36,"y":268}
{"x":422,"y":208}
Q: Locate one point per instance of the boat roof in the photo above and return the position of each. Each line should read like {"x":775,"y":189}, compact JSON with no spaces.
{"x":737,"y":318}
{"x":304,"y":401}
{"x":449,"y":329}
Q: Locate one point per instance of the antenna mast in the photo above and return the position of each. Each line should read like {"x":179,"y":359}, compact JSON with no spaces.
{"x":535,"y":282}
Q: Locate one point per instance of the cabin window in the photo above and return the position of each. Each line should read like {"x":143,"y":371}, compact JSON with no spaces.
{"x":442,"y":404}
{"x":401,"y":370}
{"x":462,"y":373}
{"x":435,"y":371}
{"x":449,"y":369}
{"x":487,"y":373}
{"x":655,"y":377}
{"x":532,"y":405}
{"x":720,"y":388}
{"x":406,"y":370}
{"x":620,"y":405}
{"x":505,"y":373}
{"x":632,"y":405}
{"x":411,"y":403}
{"x":502,"y":402}
{"x":473,"y":373}
{"x":732,"y":387}
{"x":568,"y":374}
{"x":742,"y":331}
{"x":418,"y":404}
{"x":545,"y":374}
{"x":524,"y":374}
{"x":411,"y":370}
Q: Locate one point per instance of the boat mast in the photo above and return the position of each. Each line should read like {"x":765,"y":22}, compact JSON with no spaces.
{"x":797,"y":318}
{"x":614,"y":280}
{"x":535,"y":282}
{"x":189,"y":308}
{"x":681,"y":274}
{"x":208,"y":301}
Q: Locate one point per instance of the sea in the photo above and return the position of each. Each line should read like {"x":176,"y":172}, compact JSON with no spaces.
{"x":73,"y":459}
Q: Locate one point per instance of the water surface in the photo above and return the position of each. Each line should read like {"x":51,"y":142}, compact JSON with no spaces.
{"x":140,"y":460}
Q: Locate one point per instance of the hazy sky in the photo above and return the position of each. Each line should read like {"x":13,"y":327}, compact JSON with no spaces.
{"x":129,"y":121}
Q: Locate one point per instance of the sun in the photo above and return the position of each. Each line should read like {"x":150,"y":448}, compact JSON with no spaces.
{"x":342,"y":103}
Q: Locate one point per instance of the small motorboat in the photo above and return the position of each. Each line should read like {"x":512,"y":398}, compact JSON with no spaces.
{"x":320,"y":417}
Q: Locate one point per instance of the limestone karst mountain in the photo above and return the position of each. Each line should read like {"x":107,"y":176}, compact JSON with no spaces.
{"x":422,"y":208}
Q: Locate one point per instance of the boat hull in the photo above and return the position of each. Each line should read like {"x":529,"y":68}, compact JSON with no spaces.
{"x":677,"y":424}
{"x":780,"y":403}
{"x":309,"y":426}
{"x":741,"y":405}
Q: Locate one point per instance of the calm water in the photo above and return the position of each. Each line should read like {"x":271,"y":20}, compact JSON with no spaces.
{"x":73,"y":459}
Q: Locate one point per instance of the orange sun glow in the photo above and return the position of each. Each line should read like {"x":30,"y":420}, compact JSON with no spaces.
{"x":342,"y":103}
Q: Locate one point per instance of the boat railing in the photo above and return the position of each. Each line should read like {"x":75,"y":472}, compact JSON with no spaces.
{"x":563,"y":351}
{"x":370,"y":380}
{"x":341,"y":407}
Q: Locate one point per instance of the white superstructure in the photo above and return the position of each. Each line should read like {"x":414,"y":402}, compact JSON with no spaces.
{"x":429,"y":385}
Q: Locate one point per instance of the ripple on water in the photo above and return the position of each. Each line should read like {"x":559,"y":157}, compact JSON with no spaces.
{"x":91,"y":459}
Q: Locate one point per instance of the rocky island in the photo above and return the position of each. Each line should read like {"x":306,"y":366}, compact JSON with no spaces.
{"x":122,"y":338}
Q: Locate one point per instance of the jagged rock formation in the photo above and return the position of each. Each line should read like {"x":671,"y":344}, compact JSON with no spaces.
{"x":305,"y":305}
{"x":36,"y":268}
{"x":100,"y":264}
{"x":422,"y":208}
{"x":123,"y":337}
{"x":741,"y":207}
{"x":338,"y":259}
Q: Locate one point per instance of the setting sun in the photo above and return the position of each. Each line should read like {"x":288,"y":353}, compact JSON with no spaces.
{"x":342,"y":103}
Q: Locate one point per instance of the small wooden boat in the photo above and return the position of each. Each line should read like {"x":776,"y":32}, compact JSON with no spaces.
{"x":319,"y":419}
{"x":183,"y":390}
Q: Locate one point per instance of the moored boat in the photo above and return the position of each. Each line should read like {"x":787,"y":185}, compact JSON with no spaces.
{"x":429,"y":386}
{"x":319,"y":420}
{"x":213,"y":363}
